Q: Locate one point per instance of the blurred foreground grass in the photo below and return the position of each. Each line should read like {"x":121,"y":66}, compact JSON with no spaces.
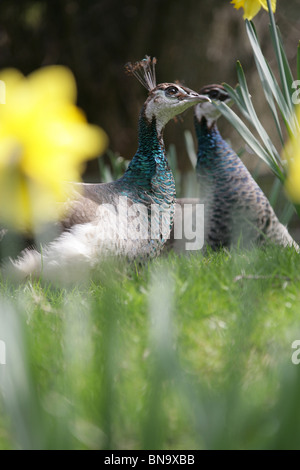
{"x":185,"y":353}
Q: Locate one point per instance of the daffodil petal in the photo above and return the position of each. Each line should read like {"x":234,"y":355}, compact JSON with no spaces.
{"x":264,"y":4}
{"x":12,"y":78}
{"x":45,"y":140}
{"x":291,"y":155}
{"x":252,"y":7}
{"x":238,"y":3}
{"x":53,"y":83}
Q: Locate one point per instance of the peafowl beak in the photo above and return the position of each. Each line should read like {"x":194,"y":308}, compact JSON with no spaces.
{"x":201,"y":98}
{"x":193,"y":97}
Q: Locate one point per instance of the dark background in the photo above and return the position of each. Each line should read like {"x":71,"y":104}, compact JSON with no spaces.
{"x":197,"y":42}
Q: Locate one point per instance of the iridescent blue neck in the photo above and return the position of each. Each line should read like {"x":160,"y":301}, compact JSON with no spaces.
{"x":215,"y":158}
{"x":149,"y":168}
{"x":211,"y":145}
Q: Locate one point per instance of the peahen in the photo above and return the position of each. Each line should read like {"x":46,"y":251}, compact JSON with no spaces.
{"x":132,"y":216}
{"x":236,"y":211}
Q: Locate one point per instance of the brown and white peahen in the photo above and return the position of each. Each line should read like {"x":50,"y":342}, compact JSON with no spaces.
{"x":131,"y":217}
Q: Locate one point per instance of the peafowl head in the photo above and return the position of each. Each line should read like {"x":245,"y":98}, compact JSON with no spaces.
{"x":209,"y":110}
{"x":166,"y":100}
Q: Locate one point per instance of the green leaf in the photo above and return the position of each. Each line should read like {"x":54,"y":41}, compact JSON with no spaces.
{"x":253,"y":116}
{"x":262,"y":65}
{"x":279,"y":55}
{"x":251,"y":140}
{"x":286,"y":66}
{"x":237,"y":97}
{"x":272,"y":105}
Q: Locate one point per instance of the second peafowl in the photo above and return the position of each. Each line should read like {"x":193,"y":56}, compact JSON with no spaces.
{"x":236,"y":211}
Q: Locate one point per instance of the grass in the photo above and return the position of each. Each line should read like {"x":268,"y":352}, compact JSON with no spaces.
{"x":185,"y":353}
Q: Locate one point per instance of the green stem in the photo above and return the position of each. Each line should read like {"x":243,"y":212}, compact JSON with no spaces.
{"x":279,"y":56}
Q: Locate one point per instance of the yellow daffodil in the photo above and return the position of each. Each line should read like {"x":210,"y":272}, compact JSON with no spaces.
{"x":291,"y":155}
{"x":44,"y":142}
{"x":252,"y":7}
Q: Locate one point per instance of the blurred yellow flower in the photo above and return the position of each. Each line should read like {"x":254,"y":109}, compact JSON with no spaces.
{"x":44,"y":142}
{"x":252,"y":7}
{"x":291,"y":155}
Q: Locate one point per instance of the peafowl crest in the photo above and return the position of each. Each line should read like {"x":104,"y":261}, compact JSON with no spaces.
{"x":130,"y":217}
{"x":144,"y":71}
